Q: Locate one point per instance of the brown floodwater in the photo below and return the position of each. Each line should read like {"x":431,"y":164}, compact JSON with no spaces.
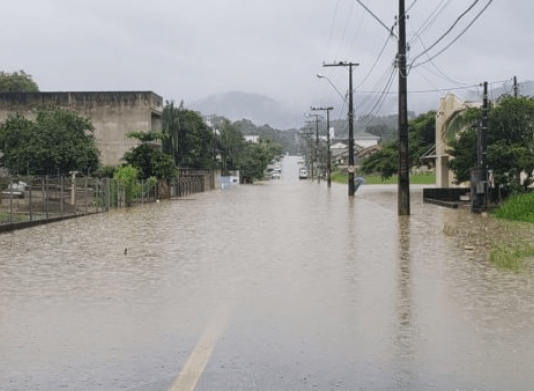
{"x":321,"y":292}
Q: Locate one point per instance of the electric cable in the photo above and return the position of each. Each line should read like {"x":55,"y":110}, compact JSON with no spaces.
{"x":331,"y":30}
{"x":432,"y":17}
{"x":444,"y":76}
{"x":446,"y":32}
{"x":376,"y":61}
{"x":457,"y":38}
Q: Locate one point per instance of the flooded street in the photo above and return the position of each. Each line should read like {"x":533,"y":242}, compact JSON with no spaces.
{"x":284,"y":285}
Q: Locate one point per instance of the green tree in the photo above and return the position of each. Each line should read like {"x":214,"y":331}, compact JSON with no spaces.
{"x":57,"y":141}
{"x":256,"y":157}
{"x":510,"y":143}
{"x":422,"y":131}
{"x":171,"y":129}
{"x":17,"y":82}
{"x":126,"y":179}
{"x":187,"y":137}
{"x":231,"y":144}
{"x":147,"y":157}
{"x":385,"y":162}
{"x":422,"y":137}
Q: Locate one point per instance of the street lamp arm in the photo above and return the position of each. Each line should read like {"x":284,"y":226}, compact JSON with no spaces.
{"x":319,"y":76}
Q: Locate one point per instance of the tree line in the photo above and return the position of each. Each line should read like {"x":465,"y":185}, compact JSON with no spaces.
{"x":59,"y":141}
{"x":510,"y":145}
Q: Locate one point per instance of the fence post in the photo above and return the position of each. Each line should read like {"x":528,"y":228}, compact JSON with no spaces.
{"x":11,"y":200}
{"x":73,"y":191}
{"x":61,"y":195}
{"x":106,"y":193}
{"x":45,"y":192}
{"x":31,"y":217}
{"x":86,"y":205}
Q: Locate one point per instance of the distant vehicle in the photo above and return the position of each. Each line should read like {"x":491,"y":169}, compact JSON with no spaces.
{"x":15,"y":190}
{"x":303,"y":173}
{"x":276,"y":173}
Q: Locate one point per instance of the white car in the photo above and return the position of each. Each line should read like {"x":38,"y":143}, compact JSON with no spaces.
{"x":303,"y":173}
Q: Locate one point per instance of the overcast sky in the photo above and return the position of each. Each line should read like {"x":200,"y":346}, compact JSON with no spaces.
{"x":191,"y":49}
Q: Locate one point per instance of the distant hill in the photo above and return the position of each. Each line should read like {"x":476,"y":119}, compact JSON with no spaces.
{"x":260,"y":109}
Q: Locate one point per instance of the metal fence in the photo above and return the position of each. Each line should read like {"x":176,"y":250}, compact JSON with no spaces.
{"x":26,"y":199}
{"x":30,"y":199}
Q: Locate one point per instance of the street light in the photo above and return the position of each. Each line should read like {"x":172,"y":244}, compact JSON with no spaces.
{"x":319,"y":76}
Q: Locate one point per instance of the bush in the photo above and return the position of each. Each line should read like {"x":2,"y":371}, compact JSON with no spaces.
{"x":519,"y":207}
{"x":126,"y":177}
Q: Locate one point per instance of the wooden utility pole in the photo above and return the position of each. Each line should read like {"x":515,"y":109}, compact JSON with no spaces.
{"x":317,"y":147}
{"x":483,"y":135}
{"x":351,"y":167}
{"x":313,"y":150}
{"x":328,"y":158}
{"x":404,"y":161}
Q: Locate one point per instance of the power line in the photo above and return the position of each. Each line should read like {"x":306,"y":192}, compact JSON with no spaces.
{"x":444,"y":76}
{"x":345,"y":29}
{"x":457,"y":38}
{"x":376,"y":61}
{"x":432,"y":17}
{"x":377,"y":19}
{"x":410,"y":7}
{"x":448,"y":31}
{"x":332,"y":29}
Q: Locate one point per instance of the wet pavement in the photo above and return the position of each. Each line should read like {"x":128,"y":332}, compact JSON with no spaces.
{"x":284,"y":285}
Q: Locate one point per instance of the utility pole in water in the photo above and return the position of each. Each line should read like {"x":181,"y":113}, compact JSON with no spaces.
{"x":328,"y":158}
{"x":351,"y":167}
{"x":404,"y":161}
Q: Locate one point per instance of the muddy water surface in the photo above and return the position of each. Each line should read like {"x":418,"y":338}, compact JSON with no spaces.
{"x":321,"y":293}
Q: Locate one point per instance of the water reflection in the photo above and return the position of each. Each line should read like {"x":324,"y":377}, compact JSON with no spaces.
{"x":404,"y":328}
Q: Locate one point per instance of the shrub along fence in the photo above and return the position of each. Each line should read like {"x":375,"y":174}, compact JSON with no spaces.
{"x":28,"y":201}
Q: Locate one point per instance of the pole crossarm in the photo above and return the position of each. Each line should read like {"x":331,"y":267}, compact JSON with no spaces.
{"x":321,"y":108}
{"x":341,"y":64}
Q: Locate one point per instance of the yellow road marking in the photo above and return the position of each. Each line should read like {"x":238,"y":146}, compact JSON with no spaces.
{"x":194,"y":367}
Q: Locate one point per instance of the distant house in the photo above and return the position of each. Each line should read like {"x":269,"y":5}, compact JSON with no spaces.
{"x":365,"y":145}
{"x":361,"y":140}
{"x":252,"y":139}
{"x":112,"y":114}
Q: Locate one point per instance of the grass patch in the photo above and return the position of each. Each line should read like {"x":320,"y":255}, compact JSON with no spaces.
{"x":415,"y":179}
{"x":511,"y":257}
{"x":519,"y":207}
{"x":16,"y":217}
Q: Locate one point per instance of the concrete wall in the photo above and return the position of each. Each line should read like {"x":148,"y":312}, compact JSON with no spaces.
{"x":113,"y":114}
{"x":449,"y":106}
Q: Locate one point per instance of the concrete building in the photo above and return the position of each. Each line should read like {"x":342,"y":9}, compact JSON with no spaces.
{"x":449,"y":106}
{"x":112,"y":114}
